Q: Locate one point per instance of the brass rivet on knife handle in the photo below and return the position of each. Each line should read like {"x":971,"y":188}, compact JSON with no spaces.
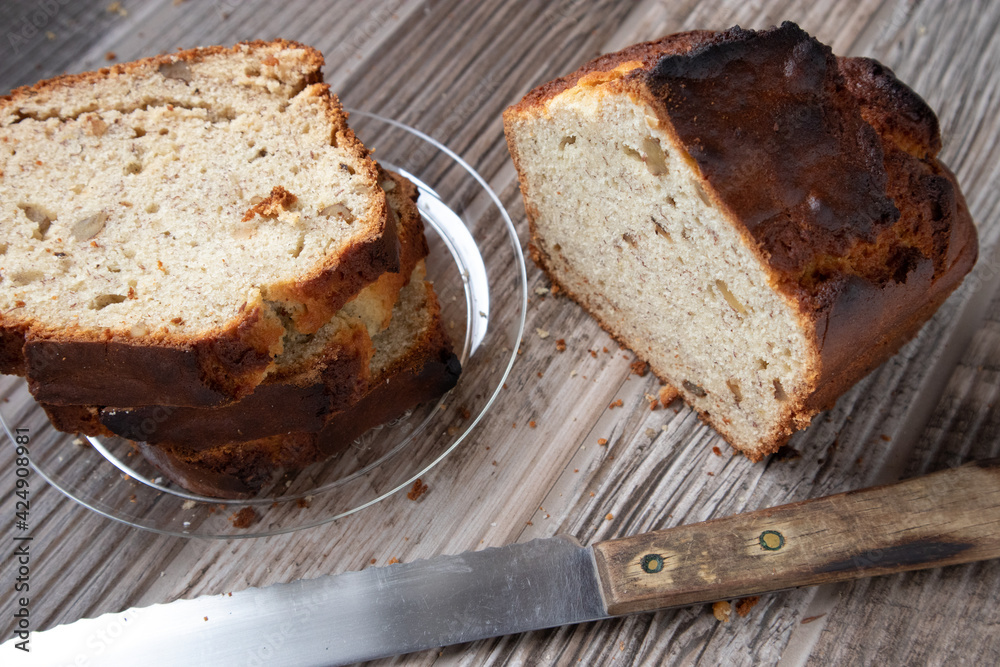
{"x":771,"y":540}
{"x":949,"y":517}
{"x":651,"y":563}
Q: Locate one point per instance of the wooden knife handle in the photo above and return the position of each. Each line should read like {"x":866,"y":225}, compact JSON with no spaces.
{"x":948,"y":517}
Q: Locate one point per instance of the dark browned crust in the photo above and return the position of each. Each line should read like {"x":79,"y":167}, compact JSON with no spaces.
{"x":913,"y":126}
{"x":313,"y":57}
{"x":645,"y":55}
{"x":340,"y":377}
{"x":293,"y":398}
{"x":11,"y":347}
{"x":743,"y":105}
{"x":242,"y":469}
{"x":863,"y":288}
{"x":113,"y":368}
{"x":76,"y":367}
{"x":235,"y":472}
{"x":76,"y":419}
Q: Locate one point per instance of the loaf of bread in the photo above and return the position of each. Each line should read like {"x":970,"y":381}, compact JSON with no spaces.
{"x":314,"y":377}
{"x":413,"y":363}
{"x":168,"y":225}
{"x":761,"y":221}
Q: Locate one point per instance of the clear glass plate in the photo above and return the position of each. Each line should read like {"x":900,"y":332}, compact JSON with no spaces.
{"x":478,"y":271}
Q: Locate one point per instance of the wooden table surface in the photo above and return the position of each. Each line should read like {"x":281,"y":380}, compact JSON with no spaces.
{"x":449,"y":68}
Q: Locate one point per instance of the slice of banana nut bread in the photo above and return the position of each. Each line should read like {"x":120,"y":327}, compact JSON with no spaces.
{"x":315,"y":377}
{"x":413,"y":363}
{"x":167,"y":223}
{"x":761,"y":221}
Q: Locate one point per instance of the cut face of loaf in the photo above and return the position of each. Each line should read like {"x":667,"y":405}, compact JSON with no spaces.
{"x":167,"y":224}
{"x":762,"y":222}
{"x":316,"y":376}
{"x":413,"y":363}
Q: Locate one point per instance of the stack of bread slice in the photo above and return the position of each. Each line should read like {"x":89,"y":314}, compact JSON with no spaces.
{"x":199,"y":255}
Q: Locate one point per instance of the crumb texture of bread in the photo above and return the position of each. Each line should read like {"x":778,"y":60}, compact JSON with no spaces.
{"x":202,"y":204}
{"x":745,"y":213}
{"x":314,"y":377}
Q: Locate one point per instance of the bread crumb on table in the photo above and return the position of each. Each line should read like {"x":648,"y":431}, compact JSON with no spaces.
{"x":744,"y":606}
{"x":244,"y":518}
{"x":667,"y":394}
{"x":786,"y":453}
{"x":419,"y":489}
{"x":722,"y":610}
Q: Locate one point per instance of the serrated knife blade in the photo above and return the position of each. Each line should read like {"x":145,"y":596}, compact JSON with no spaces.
{"x":347,"y":618}
{"x":945,"y":518}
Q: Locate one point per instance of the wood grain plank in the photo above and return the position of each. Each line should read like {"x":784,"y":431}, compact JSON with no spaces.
{"x":449,"y":68}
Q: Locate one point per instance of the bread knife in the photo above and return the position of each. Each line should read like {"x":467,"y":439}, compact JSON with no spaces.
{"x":944,"y":518}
